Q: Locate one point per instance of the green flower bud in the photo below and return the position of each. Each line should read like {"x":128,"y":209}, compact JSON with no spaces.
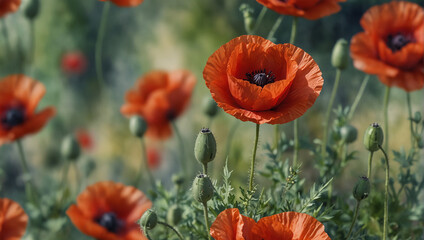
{"x":149,"y":220}
{"x":138,"y":126}
{"x":362,"y":189}
{"x":340,"y":56}
{"x":31,"y":8}
{"x":205,"y":146}
{"x":249,"y":20}
{"x":174,"y":215}
{"x":178,"y":179}
{"x":417,"y":117}
{"x":209,"y":106}
{"x":348,"y":133}
{"x":202,"y":188}
{"x":420,"y":143}
{"x":70,"y":148}
{"x":373,"y":137}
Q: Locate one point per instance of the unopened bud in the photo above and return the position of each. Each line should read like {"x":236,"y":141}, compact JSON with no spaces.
{"x":249,"y":20}
{"x":417,"y":117}
{"x":138,"y":126}
{"x":178,"y":179}
{"x":205,"y":146}
{"x":174,"y":215}
{"x":420,"y":143}
{"x":373,"y":137}
{"x":31,"y":8}
{"x":209,"y":106}
{"x":340,"y":56}
{"x":362,"y":189}
{"x":202,"y":188}
{"x":149,"y":220}
{"x":348,"y":133}
{"x":70,"y":148}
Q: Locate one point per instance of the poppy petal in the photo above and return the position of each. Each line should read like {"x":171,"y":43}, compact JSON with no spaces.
{"x":407,"y":80}
{"x":231,"y":225}
{"x":13,"y":220}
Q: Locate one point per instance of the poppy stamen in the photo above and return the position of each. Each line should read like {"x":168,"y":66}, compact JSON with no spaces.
{"x":13,"y":117}
{"x":260,"y":77}
{"x":110,"y":221}
{"x":398,"y":41}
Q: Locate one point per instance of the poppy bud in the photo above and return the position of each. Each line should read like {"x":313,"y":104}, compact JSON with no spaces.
{"x":202,"y":188}
{"x":178,"y":179}
{"x":148,"y":220}
{"x":209,"y":106}
{"x":174,"y":215}
{"x":373,"y":137}
{"x":340,"y":56}
{"x":420,"y":143}
{"x":417,"y":117}
{"x":31,"y":8}
{"x":249,"y":20}
{"x":138,"y":126}
{"x":362,"y":189}
{"x":70,"y":148}
{"x":348,"y":133}
{"x":205,"y":146}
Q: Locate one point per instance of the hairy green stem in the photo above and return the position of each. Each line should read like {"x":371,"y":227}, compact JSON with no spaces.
{"x":386,"y":195}
{"x":172,"y":228}
{"x":205,"y":212}
{"x":252,"y":164}
{"x":275,"y":27}
{"x":259,"y":19}
{"x":358,"y":96}
{"x":99,"y":44}
{"x":386,"y":117}
{"x":358,"y":203}
{"x":370,"y":155}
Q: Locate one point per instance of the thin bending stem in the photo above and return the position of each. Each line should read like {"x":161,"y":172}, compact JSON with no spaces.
{"x":252,"y":164}
{"x":370,"y":164}
{"x":6,"y":37}
{"x":275,"y":27}
{"x":181,"y":148}
{"x":386,"y":117}
{"x":172,"y":228}
{"x":29,"y":185}
{"x":205,"y":212}
{"x":358,"y":203}
{"x":358,"y":96}
{"x":296,"y":135}
{"x":32,"y":50}
{"x":293,"y":30}
{"x":386,"y":195}
{"x":328,"y":112}
{"x":99,"y":43}
{"x":145,"y":165}
{"x":259,"y":19}
{"x":408,"y":100}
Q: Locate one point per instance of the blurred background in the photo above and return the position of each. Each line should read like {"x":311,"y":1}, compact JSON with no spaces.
{"x":169,"y":34}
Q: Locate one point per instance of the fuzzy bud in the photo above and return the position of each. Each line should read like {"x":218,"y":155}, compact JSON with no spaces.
{"x":362,"y":189}
{"x":70,"y":148}
{"x":205,"y":146}
{"x":174,"y":215}
{"x":340,"y":56}
{"x":417,"y":117}
{"x":138,"y":126}
{"x":149,"y":220}
{"x":31,"y":8}
{"x":249,"y":20}
{"x":348,"y":133}
{"x":209,"y":106}
{"x":373,"y":137}
{"x":202,"y":188}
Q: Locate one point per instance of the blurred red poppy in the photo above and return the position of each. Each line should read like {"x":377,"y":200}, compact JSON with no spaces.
{"x":109,"y":211}
{"x":160,"y":97}
{"x":231,"y":225}
{"x":85,"y":139}
{"x":125,"y":3}
{"x":153,"y":158}
{"x":74,"y":63}
{"x":392,"y":45}
{"x":256,"y":80}
{"x":8,"y":6}
{"x":309,"y":9}
{"x":19,"y":97}
{"x":13,"y":220}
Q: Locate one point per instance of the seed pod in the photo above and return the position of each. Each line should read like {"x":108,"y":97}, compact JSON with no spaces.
{"x":148,"y":220}
{"x":202,"y":188}
{"x":31,"y":8}
{"x":70,"y":148}
{"x":340,"y":56}
{"x":362,"y":189}
{"x":138,"y":126}
{"x":209,"y":106}
{"x":174,"y":215}
{"x":205,"y":146}
{"x":373,"y":137}
{"x":348,"y":133}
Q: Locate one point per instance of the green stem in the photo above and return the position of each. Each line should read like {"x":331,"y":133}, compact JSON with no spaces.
{"x":181,"y":148}
{"x":386,"y":117}
{"x":6,"y":37}
{"x":275,"y":27}
{"x":328,"y":112}
{"x":65,"y":173}
{"x":408,"y":100}
{"x":78,"y":175}
{"x":296,"y":143}
{"x":146,"y":232}
{"x":276,"y":137}
{"x":99,"y":44}
{"x":358,"y":96}
{"x":386,"y":195}
{"x":205,"y":212}
{"x":358,"y":203}
{"x":259,"y":19}
{"x":370,"y":155}
{"x":293,"y":30}
{"x":145,"y":165}
{"x":172,"y":228}
{"x":205,"y":169}
{"x":32,"y":50}
{"x":252,"y":164}
{"x":30,"y":189}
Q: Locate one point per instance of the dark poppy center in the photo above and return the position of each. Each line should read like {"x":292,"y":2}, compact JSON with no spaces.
{"x":110,"y":221}
{"x":13,"y":117}
{"x":398,"y":41}
{"x":260,"y":78}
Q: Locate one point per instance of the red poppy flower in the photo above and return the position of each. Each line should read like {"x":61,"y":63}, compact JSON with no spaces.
{"x":109,"y":211}
{"x":160,"y":97}
{"x":19,"y":96}
{"x":125,"y":3}
{"x":13,"y":220}
{"x":8,"y":6}
{"x":74,"y":63}
{"x":84,"y":139}
{"x":153,"y":158}
{"x":256,"y":80}
{"x":231,"y":225}
{"x":392,"y":45}
{"x":309,"y":9}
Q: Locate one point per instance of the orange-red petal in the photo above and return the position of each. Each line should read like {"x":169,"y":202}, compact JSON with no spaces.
{"x":408,"y":80}
{"x":13,"y":220}
{"x":231,"y":225}
{"x":125,"y":3}
{"x":9,"y":6}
